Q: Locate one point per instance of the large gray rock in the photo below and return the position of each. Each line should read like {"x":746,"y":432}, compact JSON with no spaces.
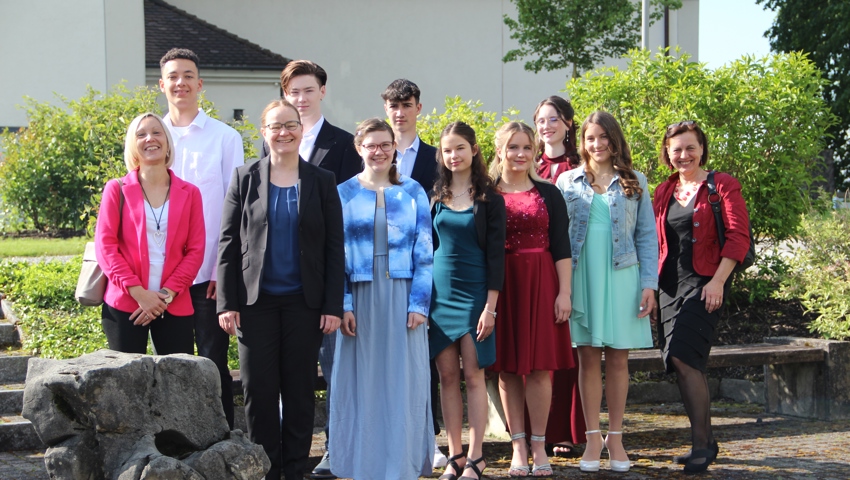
{"x":112,"y":415}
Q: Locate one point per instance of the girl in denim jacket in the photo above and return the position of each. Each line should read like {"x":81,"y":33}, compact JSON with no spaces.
{"x":615,"y":275}
{"x":380,"y":419}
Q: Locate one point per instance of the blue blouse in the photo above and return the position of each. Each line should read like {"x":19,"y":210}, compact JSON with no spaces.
{"x":282,"y":268}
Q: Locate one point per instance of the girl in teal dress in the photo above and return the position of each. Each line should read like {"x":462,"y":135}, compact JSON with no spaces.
{"x":469,"y":258}
{"x":615,"y":275}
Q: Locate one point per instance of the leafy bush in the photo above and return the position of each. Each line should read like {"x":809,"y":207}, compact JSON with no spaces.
{"x":456,"y":110}
{"x":765,"y":120}
{"x":53,"y":323}
{"x":819,"y":273}
{"x":66,"y":154}
{"x":54,"y":169}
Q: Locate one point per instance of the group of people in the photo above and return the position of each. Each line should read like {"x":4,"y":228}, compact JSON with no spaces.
{"x":427,"y":264}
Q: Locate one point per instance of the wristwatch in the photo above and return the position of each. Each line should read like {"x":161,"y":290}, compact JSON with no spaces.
{"x":168,"y":299}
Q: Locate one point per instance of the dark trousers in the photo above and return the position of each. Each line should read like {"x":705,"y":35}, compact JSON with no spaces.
{"x":278,"y":350}
{"x":212,"y":343}
{"x":326,"y":361}
{"x":169,"y":333}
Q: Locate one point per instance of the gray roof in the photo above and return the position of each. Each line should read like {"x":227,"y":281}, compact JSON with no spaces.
{"x":167,"y":27}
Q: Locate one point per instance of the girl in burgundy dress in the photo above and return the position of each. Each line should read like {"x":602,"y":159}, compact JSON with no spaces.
{"x":532,"y":332}
{"x":556,"y":140}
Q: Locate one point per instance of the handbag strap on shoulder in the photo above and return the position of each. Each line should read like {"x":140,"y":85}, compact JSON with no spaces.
{"x":714,"y":201}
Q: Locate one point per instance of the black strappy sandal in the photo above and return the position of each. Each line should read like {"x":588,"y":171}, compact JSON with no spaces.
{"x":473,"y":465}
{"x":452,"y":462}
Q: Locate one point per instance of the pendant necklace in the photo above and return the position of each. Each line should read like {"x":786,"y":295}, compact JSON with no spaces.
{"x":158,"y":235}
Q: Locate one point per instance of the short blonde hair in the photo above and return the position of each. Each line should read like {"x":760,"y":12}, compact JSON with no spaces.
{"x":131,"y":149}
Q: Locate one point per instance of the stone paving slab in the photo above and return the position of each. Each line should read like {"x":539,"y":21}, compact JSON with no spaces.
{"x":753,"y":445}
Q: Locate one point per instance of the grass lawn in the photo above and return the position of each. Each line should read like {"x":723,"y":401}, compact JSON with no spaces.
{"x":36,"y":247}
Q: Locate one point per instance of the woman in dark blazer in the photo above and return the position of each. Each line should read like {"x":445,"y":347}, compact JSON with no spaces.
{"x":280,"y":285}
{"x":468,"y":216}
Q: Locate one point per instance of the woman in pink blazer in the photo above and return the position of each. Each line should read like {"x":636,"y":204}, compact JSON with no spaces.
{"x":150,"y":245}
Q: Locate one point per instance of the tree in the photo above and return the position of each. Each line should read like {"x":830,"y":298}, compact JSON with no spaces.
{"x":54,"y":169}
{"x":821,"y":29}
{"x":765,"y":121}
{"x":577,"y":33}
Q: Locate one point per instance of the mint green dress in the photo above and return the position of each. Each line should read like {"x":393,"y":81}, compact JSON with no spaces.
{"x":606,"y":302}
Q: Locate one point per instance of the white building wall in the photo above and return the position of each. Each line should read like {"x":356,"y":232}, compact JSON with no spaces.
{"x":61,"y":46}
{"x":448,"y":47}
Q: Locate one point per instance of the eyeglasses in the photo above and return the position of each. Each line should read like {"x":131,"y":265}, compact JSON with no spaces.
{"x":291,"y":125}
{"x":544,"y":120}
{"x":385,"y":147}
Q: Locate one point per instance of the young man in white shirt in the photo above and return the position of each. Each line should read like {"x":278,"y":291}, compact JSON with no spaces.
{"x":416,"y":159}
{"x":206,"y":153}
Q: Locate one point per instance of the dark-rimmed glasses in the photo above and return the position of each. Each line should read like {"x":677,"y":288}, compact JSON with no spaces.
{"x":291,"y":125}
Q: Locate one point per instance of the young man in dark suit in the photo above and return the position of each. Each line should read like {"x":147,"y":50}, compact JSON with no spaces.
{"x":416,"y":159}
{"x":331,"y":148}
{"x":304,"y":85}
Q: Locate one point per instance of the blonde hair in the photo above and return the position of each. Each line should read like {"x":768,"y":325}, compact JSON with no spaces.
{"x":131,"y":148}
{"x":502,"y":137}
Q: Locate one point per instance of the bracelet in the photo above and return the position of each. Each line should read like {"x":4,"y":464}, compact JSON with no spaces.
{"x":491,"y":313}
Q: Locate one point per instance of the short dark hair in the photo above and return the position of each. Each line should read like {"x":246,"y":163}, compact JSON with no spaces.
{"x":401,"y":90}
{"x":297,"y":68}
{"x":679,"y":128}
{"x":176,"y":53}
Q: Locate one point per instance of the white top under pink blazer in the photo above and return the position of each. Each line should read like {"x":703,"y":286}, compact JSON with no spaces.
{"x":124,"y":256}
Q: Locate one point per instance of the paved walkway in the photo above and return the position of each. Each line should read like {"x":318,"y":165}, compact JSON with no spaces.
{"x":753,"y":445}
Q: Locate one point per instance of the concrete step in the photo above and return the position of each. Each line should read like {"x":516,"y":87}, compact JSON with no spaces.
{"x":9,"y":335}
{"x":13,"y":366}
{"x":17,"y":433}
{"x":12,"y":397}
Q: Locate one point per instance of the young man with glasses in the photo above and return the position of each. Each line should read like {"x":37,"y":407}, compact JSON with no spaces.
{"x":206,"y":153}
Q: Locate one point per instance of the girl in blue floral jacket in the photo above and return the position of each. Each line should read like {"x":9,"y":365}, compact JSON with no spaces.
{"x":380,"y":419}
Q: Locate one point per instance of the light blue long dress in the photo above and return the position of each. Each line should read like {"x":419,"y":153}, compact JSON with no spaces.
{"x":606,"y":301}
{"x":380,"y":421}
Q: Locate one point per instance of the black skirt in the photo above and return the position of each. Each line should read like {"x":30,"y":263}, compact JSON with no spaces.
{"x":686,"y":330}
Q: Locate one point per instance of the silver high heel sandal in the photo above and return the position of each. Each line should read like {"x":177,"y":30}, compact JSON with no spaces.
{"x":544,"y":470}
{"x":518,"y":470}
{"x":591,"y":465}
{"x":617,"y":465}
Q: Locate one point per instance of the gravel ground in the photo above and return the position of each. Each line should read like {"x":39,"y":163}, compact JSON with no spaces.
{"x":753,"y":445}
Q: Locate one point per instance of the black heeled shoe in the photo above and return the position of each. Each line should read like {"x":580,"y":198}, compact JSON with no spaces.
{"x":453,"y":463}
{"x":709,"y":455}
{"x":473,"y":465}
{"x":683,"y":459}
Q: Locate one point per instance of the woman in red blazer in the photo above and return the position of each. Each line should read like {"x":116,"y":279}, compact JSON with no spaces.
{"x":150,"y":245}
{"x":694,"y":273}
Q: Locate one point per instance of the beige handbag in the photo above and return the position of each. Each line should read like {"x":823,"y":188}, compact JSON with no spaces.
{"x":91,"y":284}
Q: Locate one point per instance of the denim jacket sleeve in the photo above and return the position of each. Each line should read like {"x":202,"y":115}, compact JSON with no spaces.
{"x":423,"y":257}
{"x":646,"y":239}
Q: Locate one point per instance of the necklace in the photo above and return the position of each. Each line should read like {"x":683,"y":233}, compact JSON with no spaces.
{"x":683,"y":193}
{"x":158,"y":236}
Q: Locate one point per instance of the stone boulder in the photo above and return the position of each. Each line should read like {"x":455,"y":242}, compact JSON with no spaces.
{"x":112,"y":415}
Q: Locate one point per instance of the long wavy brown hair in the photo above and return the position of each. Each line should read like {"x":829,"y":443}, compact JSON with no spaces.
{"x":481,"y":182}
{"x":621,"y":156}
